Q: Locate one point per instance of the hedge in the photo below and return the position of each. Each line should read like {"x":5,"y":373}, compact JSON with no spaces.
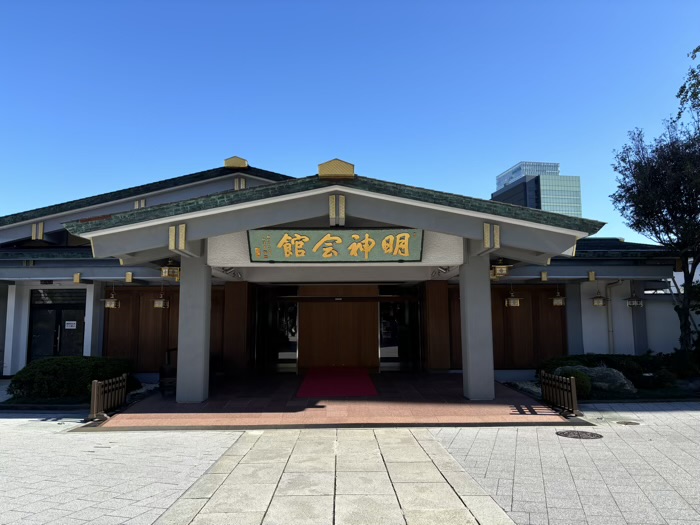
{"x":65,"y":377}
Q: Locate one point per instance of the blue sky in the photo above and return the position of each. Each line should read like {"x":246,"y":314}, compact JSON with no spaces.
{"x":98,"y":96}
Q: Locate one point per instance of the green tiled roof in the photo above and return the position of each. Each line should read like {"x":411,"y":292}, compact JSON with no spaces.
{"x":138,"y":191}
{"x":293,"y":186}
{"x":35,"y":254}
{"x":613,"y":248}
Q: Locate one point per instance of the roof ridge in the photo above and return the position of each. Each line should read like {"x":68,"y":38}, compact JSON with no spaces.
{"x":125,"y":193}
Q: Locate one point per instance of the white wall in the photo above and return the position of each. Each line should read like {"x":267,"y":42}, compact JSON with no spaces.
{"x":663,"y":327}
{"x":594,"y":320}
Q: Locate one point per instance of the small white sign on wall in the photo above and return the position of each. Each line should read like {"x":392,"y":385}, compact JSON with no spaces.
{"x":71,"y":325}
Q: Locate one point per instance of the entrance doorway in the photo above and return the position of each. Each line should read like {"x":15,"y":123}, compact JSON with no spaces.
{"x":338,"y":326}
{"x":56,"y":323}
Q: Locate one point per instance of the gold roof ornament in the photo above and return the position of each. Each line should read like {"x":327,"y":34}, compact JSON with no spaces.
{"x":235,"y":162}
{"x":336,"y":169}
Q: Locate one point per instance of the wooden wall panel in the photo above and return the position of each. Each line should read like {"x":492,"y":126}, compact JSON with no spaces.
{"x":436,"y":326}
{"x":153,"y":333}
{"x":139,"y":332}
{"x":338,"y":333}
{"x":455,"y":329}
{"x":524,"y":336}
{"x":235,"y":348}
{"x":121,"y":328}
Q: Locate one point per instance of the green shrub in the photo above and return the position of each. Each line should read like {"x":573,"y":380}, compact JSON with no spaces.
{"x":64,"y":377}
{"x":583,"y":382}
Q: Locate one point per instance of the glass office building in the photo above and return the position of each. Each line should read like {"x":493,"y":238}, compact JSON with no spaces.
{"x":539,"y":185}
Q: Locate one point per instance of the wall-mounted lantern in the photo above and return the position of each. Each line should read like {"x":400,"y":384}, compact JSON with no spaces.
{"x":634,"y":302}
{"x":112,"y":302}
{"x":512,"y":301}
{"x":170,"y":271}
{"x":599,"y":300}
{"x":558,"y":299}
{"x":500,"y":269}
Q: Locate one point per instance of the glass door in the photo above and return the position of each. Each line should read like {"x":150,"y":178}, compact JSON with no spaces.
{"x":56,"y":323}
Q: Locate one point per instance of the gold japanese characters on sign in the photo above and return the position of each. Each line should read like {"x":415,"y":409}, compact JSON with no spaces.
{"x":310,"y":246}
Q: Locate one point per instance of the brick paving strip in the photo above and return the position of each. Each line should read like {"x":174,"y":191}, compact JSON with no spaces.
{"x":391,"y":476}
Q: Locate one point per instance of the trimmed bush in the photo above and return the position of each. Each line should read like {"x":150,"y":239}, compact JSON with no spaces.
{"x":664,"y":368}
{"x":583,"y":382}
{"x":64,"y":377}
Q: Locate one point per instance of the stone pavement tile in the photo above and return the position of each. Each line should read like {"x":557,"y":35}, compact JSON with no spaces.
{"x":403,"y":453}
{"x":414,"y":473}
{"x":688,"y":514}
{"x":12,"y":515}
{"x":529,"y":506}
{"x":255,"y":473}
{"x":363,"y":483}
{"x":45,"y":516}
{"x":360,"y":446}
{"x":90,"y":513}
{"x":564,"y":503}
{"x":224,"y":465}
{"x":539,"y":518}
{"x":606,"y":520}
{"x":486,"y":510}
{"x":79,"y":504}
{"x":367,"y":510}
{"x":566,"y":514}
{"x":316,"y":434}
{"x":310,"y":463}
{"x":147,"y":518}
{"x":445,"y":464}
{"x":306,"y":484}
{"x":520,"y":518}
{"x":239,"y":498}
{"x":360,"y":463}
{"x":355,"y":434}
{"x":427,"y":496}
{"x":229,"y":518}
{"x":440,"y":517}
{"x":314,"y":447}
{"x":300,"y":510}
{"x":463,"y":484}
{"x":130,"y":511}
{"x":106,"y":520}
{"x":162,"y":500}
{"x":182,"y":512}
{"x":266,"y":455}
{"x":205,"y":486}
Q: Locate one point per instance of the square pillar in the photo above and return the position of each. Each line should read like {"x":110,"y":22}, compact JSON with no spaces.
{"x":194,"y":330}
{"x":477,"y":335}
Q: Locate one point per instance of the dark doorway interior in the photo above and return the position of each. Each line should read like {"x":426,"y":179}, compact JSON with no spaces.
{"x":56,"y":323}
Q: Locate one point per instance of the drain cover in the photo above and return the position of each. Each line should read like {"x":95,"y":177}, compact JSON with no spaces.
{"x":578,"y":434}
{"x":628,"y":423}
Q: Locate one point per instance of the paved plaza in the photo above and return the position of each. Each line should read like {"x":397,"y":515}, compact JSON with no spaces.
{"x":635,"y":474}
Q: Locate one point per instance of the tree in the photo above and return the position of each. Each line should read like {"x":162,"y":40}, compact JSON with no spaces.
{"x":689,"y":92}
{"x":658,"y":195}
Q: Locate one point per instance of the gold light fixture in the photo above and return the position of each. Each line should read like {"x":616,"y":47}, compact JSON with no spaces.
{"x":512,"y":301}
{"x":634,"y":302}
{"x":161,"y":302}
{"x":112,"y":302}
{"x":500,"y":269}
{"x":599,"y":300}
{"x":558,"y":300}
{"x":170,"y":271}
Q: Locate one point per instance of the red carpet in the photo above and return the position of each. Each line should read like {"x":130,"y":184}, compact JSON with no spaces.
{"x":337,"y":382}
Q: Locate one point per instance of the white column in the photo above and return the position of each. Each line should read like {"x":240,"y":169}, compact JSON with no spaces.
{"x":94,"y":319}
{"x":193,"y":330}
{"x":16,"y":329}
{"x":477,"y":336}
